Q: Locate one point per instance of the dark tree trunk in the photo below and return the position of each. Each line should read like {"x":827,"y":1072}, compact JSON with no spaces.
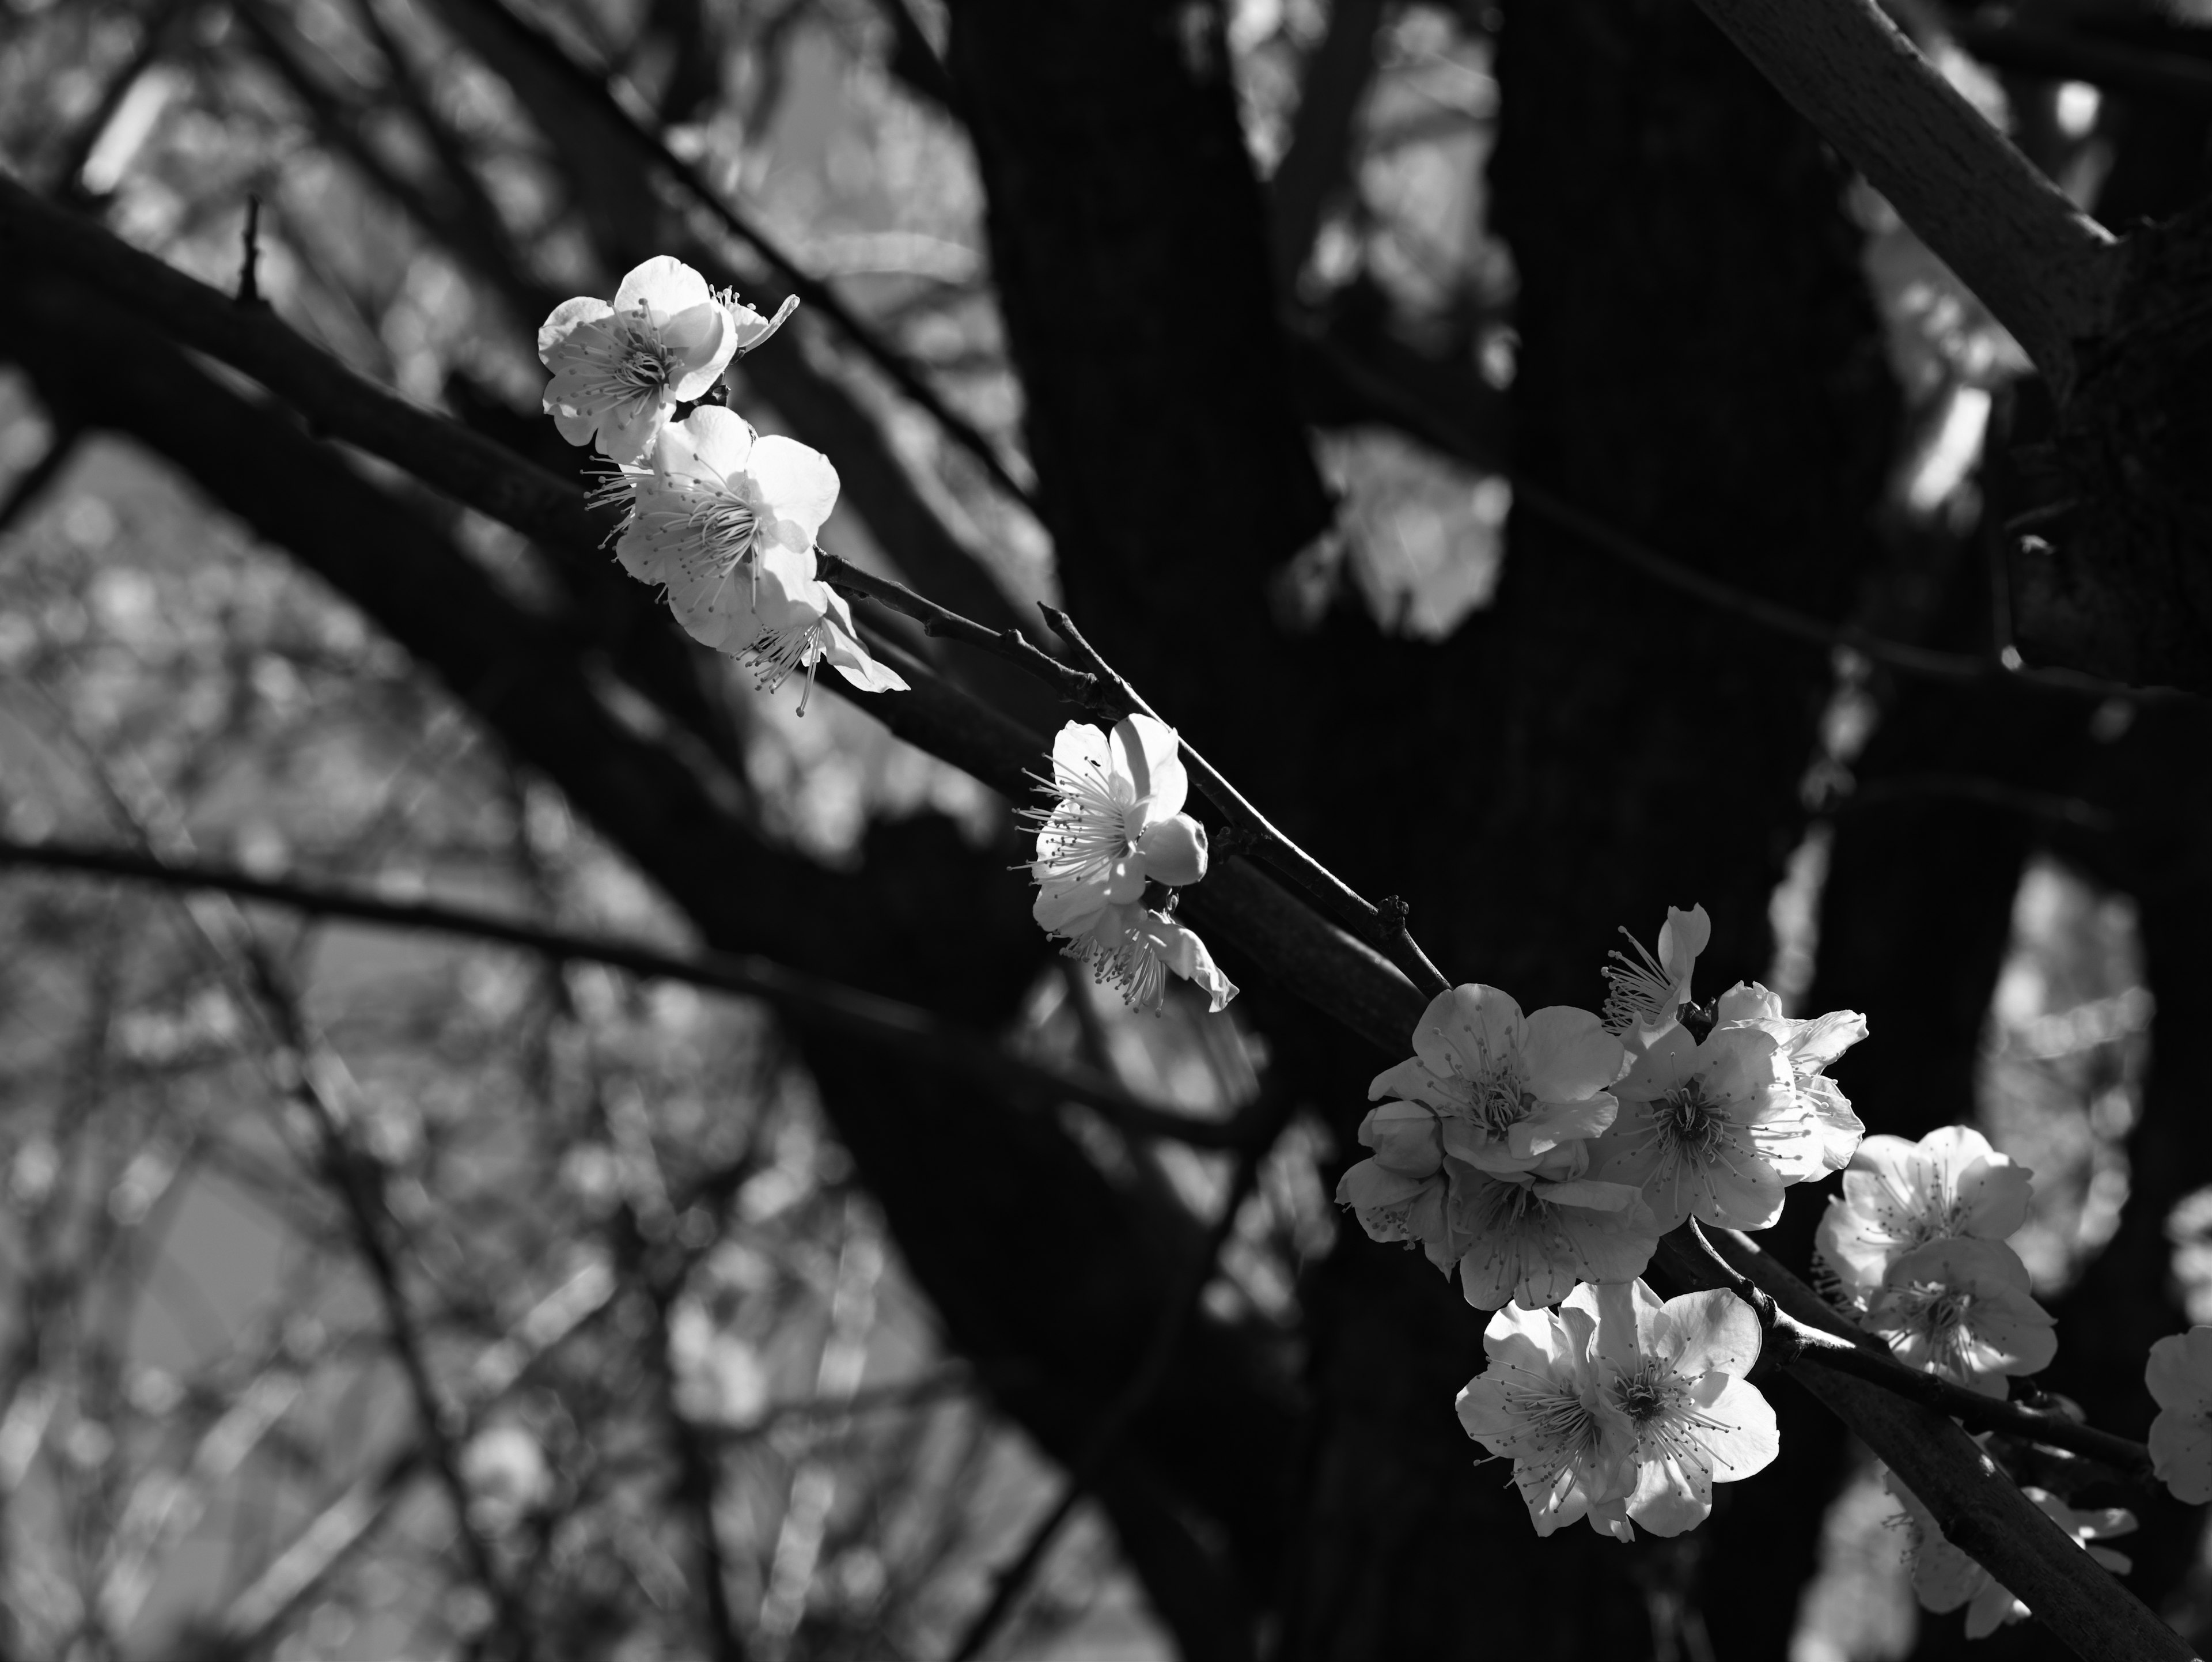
{"x":1699,"y":363}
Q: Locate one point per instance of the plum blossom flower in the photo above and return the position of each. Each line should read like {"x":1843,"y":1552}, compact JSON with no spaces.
{"x":1542,"y":1404}
{"x":1675,"y":1372}
{"x":726,"y":522}
{"x":1898,"y":1195}
{"x":1944,"y":1577}
{"x":716,"y":499}
{"x":1115,"y":829}
{"x":1115,"y":823}
{"x":619,"y":371}
{"x":1511,"y":1090}
{"x":1399,"y":1192}
{"x":1646,"y":993}
{"x":1809,"y":1046}
{"x":1530,"y":1239}
{"x":1134,"y":947}
{"x":2179,"y":1375}
{"x":1960,"y":1308}
{"x":1713,"y":1131}
{"x":1621,"y":1409}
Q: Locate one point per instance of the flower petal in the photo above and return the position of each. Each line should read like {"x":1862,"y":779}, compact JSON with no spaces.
{"x":666,"y":284}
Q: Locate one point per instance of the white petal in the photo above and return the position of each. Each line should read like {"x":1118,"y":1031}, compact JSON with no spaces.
{"x":667,"y":284}
{"x":796,"y":484}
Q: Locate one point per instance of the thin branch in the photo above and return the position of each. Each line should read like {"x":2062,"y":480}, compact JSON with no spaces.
{"x":807,"y":1001}
{"x":2047,"y":270}
{"x":1105,"y":1436}
{"x":1077,"y":686}
{"x":358,"y":1179}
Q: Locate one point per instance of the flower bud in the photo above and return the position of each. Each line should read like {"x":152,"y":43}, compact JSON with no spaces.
{"x":1405,"y":1138}
{"x":1174,"y":851}
{"x":1746,"y":1001}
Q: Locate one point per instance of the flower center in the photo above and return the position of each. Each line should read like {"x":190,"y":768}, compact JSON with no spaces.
{"x":645,"y":363}
{"x":1686,"y":1122}
{"x":1642,"y":1398}
{"x":1087,"y":828}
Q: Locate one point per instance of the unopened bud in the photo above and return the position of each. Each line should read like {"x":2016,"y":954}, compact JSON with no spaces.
{"x":1405,"y":1138}
{"x":1746,"y":1001}
{"x":1174,"y":851}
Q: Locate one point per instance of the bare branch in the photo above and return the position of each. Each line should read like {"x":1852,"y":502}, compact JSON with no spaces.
{"x":2047,"y":270}
{"x":809,"y":1001}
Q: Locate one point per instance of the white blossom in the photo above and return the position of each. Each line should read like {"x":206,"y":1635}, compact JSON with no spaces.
{"x":1961,"y":1308}
{"x":1135,"y":948}
{"x":1512,"y":1090}
{"x":1713,"y":1131}
{"x":1541,"y":1404}
{"x":619,"y":371}
{"x":1399,"y":1192}
{"x":1115,"y":823}
{"x":1676,"y":1371}
{"x":725,"y":522}
{"x":1621,"y":1409}
{"x":1899,"y":1195}
{"x":1645,"y":991}
{"x":2179,"y":1376}
{"x":1531,"y":1239}
{"x":1808,"y":1047}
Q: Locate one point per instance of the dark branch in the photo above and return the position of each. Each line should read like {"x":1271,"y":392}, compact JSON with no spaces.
{"x":807,"y":1001}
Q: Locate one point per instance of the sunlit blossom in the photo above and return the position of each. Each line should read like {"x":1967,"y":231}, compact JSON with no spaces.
{"x":1961,"y":1308}
{"x":1541,"y":1404}
{"x":1944,"y":1577}
{"x":1135,"y":948}
{"x":1510,"y":1089}
{"x":1115,"y":823}
{"x":1646,"y":990}
{"x":1676,"y":1373}
{"x":1899,"y":1195}
{"x":619,"y":371}
{"x":1713,"y":1131}
{"x":1809,"y":1047}
{"x":2179,"y":1375}
{"x":715,"y":499}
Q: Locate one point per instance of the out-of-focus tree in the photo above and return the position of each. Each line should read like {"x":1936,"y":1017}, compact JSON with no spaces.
{"x":1430,"y":408}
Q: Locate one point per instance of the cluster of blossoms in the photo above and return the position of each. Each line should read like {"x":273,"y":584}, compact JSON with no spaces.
{"x":1534,"y":1152}
{"x":1111,"y":851}
{"x":1541,"y":1154}
{"x":1916,"y":1246}
{"x":722,"y":520}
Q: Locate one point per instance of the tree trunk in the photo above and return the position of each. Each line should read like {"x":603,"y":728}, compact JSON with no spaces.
{"x":1700,"y":364}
